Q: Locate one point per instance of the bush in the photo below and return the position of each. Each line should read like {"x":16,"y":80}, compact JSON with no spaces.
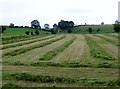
{"x":37,"y":32}
{"x":117,"y":27}
{"x":27,"y":32}
{"x":54,"y":31}
{"x":90,"y":30}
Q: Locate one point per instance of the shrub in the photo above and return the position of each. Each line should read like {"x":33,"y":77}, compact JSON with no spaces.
{"x":117,"y":27}
{"x":37,"y":32}
{"x":54,"y":31}
{"x":90,"y":30}
{"x":27,"y":32}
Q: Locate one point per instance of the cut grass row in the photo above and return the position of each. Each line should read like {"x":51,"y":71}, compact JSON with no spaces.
{"x":37,"y":78}
{"x":72,"y":64}
{"x":72,"y":53}
{"x":23,"y":50}
{"x":14,"y":39}
{"x":116,"y":42}
{"x":96,"y":50}
{"x":49,"y":55}
{"x":53,"y":79}
{"x":27,"y":42}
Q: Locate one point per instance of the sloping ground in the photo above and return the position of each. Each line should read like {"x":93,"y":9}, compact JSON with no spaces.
{"x":35,"y":54}
{"x":112,"y":40}
{"x":28,"y":45}
{"x":74,"y":52}
{"x":25,"y":42}
{"x":78,"y":51}
{"x":109,"y":47}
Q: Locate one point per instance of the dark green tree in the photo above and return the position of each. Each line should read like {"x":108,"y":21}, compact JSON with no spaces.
{"x":66,"y":25}
{"x":90,"y":30}
{"x":37,"y":32}
{"x":54,"y":31}
{"x":117,"y":27}
{"x":27,"y":32}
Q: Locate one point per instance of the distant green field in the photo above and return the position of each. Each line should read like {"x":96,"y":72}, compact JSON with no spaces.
{"x":21,"y":31}
{"x":103,"y":29}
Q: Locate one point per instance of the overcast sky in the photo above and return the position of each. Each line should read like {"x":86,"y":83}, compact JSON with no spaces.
{"x":22,"y":12}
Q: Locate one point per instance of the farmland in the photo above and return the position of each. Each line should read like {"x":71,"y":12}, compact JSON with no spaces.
{"x":61,"y":60}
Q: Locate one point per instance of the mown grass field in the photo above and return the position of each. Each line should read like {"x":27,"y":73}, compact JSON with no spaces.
{"x":102,"y":29}
{"x":61,"y":60}
{"x":21,"y":31}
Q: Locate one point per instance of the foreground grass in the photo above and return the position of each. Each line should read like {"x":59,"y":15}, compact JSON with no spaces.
{"x":96,"y":50}
{"x":64,"y":80}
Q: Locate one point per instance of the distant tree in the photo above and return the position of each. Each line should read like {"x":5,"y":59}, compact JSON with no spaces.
{"x":27,"y":32}
{"x":21,"y":26}
{"x":26,"y":26}
{"x":11,"y":25}
{"x":46,"y":26}
{"x":37,"y":32}
{"x":55,"y":26}
{"x":90,"y":30}
{"x":54,"y":31}
{"x":16,"y":26}
{"x":65,"y":25}
{"x":102,"y":23}
{"x":35,"y":24}
{"x":117,"y":22}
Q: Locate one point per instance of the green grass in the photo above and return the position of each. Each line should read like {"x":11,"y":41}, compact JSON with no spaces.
{"x":23,"y":50}
{"x":103,"y":29}
{"x":49,"y":55}
{"x":64,"y":80}
{"x":21,"y":31}
{"x":96,"y":51}
{"x":72,"y":64}
{"x":37,"y":78}
{"x":117,"y":43}
{"x":20,"y":44}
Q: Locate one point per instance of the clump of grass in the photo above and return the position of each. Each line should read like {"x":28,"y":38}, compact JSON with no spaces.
{"x":101,"y":82}
{"x":11,"y":86}
{"x":96,"y":51}
{"x":23,"y":50}
{"x":49,"y":55}
{"x":41,"y":78}
{"x":104,"y":65}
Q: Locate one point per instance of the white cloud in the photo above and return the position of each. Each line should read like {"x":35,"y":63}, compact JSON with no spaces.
{"x":22,"y":12}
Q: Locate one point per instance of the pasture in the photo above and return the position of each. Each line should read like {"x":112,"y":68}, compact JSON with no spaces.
{"x":61,"y":60}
